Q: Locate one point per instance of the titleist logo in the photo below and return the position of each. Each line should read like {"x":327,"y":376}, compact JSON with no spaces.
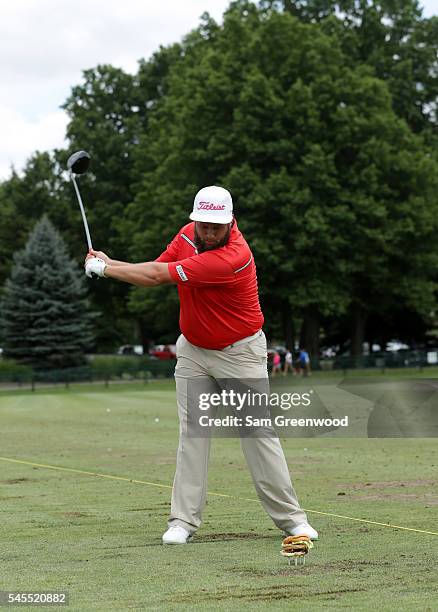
{"x":210,"y":206}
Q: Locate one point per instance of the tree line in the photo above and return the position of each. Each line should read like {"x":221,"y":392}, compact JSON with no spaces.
{"x":319,"y":116}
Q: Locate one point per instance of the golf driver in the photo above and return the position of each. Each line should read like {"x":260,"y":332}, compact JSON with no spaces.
{"x":78,"y":164}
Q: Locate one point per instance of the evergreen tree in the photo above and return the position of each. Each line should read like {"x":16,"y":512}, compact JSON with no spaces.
{"x":25,"y":197}
{"x":45,"y":314}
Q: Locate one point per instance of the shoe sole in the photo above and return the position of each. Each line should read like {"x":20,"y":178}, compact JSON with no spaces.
{"x":178,"y":543}
{"x":313,"y":539}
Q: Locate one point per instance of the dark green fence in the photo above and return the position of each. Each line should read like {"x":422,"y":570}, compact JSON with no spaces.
{"x":381,"y":360}
{"x":105,"y":369}
{"x":121,"y":368}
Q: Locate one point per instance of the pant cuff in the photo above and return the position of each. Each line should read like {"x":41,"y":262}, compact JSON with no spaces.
{"x":180,"y":523}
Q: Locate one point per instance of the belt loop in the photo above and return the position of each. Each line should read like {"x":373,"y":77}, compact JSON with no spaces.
{"x":245,"y":340}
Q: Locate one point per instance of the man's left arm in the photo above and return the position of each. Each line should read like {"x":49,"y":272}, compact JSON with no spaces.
{"x":149,"y":274}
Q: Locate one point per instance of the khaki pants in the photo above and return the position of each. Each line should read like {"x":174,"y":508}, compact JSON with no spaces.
{"x":263,"y":455}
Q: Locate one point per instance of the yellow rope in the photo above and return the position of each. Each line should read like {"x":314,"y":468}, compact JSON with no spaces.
{"x":164,"y":486}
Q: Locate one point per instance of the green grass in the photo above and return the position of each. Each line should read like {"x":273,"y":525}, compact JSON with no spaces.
{"x":100,"y":539}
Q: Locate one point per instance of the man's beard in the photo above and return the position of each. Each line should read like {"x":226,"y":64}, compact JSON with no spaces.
{"x":202,"y":246}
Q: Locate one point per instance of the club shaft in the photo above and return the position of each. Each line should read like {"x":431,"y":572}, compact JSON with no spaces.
{"x":84,"y":217}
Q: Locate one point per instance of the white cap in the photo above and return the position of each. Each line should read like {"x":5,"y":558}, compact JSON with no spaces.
{"x":213,"y":205}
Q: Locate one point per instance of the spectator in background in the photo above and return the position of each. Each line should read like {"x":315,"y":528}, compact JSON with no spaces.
{"x":276,"y":364}
{"x":304,"y":362}
{"x":288,"y":363}
{"x":282,"y":352}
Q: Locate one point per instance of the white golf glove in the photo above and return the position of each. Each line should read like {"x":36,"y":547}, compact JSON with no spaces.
{"x":95,"y":267}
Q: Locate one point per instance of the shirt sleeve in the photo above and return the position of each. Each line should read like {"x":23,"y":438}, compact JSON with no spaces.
{"x":171,"y":252}
{"x":204,"y":270}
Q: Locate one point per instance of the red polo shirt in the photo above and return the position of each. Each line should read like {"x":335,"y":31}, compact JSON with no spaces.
{"x":218,"y":294}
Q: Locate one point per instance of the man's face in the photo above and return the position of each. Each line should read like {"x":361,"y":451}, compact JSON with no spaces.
{"x":209,"y":236}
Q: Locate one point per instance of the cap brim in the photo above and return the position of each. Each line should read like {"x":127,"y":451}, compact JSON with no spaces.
{"x":210,"y":218}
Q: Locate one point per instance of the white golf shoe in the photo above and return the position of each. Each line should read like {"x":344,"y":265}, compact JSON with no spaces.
{"x":305,"y":529}
{"x":176,"y":535}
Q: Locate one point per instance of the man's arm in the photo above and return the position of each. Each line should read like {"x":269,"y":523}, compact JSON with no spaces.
{"x":149,"y":274}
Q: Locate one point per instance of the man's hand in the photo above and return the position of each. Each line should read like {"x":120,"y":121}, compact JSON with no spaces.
{"x":95,"y":266}
{"x":105,"y":258}
{"x":100,"y":255}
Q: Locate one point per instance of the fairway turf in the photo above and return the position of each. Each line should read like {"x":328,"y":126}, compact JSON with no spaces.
{"x":100,"y":538}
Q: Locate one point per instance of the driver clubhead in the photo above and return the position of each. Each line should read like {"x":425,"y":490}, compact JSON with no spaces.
{"x":78,"y":162}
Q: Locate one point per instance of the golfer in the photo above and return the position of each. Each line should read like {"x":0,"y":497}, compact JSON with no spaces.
{"x":221,"y":324}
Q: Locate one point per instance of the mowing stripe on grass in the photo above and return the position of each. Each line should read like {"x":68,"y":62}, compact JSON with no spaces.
{"x":164,"y":486}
